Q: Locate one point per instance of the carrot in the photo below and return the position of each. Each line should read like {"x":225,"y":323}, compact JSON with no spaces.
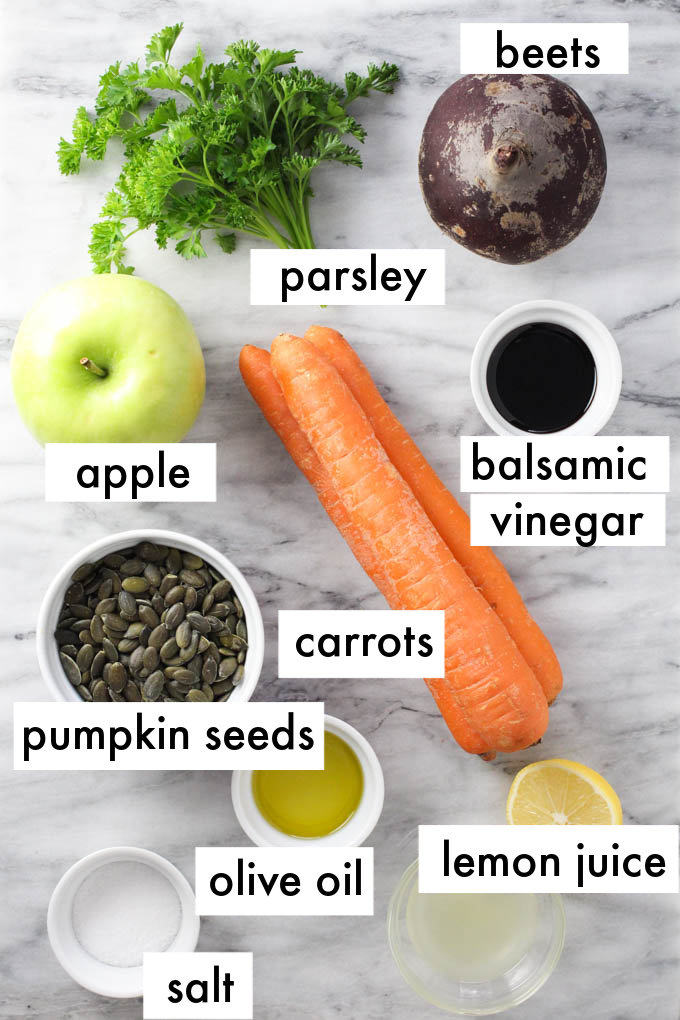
{"x":482,"y":566}
{"x":489,"y":697}
{"x":255,"y":367}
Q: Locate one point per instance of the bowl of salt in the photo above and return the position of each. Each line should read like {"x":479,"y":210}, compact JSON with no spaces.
{"x":113,"y":906}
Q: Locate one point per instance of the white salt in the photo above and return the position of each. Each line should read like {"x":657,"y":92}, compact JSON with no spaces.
{"x":124,"y":909}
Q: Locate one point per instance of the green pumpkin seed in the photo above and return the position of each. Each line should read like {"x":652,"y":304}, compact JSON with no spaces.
{"x":191,"y":578}
{"x":150,"y":551}
{"x":112,"y":621}
{"x":84,"y":636}
{"x":175,"y":595}
{"x":127,"y":645}
{"x":239,"y":608}
{"x":227,"y":667}
{"x":209,"y":671}
{"x":131,"y":567}
{"x":105,"y":606}
{"x":169,"y":650}
{"x":148,"y":616}
{"x":221,"y":590}
{"x":208,"y":603}
{"x":191,"y":562}
{"x":222,"y":687}
{"x":158,"y":636}
{"x":97,"y":629}
{"x":84,"y":693}
{"x":117,"y":677}
{"x":203,"y":644}
{"x":71,"y":670}
{"x":100,"y":691}
{"x":127,"y":604}
{"x":132,"y":692}
{"x":105,"y":588}
{"x":168,"y":582}
{"x":134,"y":630}
{"x":184,"y":634}
{"x":137,"y":660}
{"x":207,"y":691}
{"x":153,"y":686}
{"x":84,"y":571}
{"x":84,"y":657}
{"x":174,"y":616}
{"x":153,"y":574}
{"x":98,"y":663}
{"x":241,"y":629}
{"x":157,"y":604}
{"x":173,"y":561}
{"x":188,"y":653}
{"x":238,"y":675}
{"x":80,"y":611}
{"x":190,"y":599}
{"x":69,"y":650}
{"x":150,"y":658}
{"x":74,"y":593}
{"x":196,"y":696}
{"x":110,"y":649}
{"x":135,"y":584}
{"x":198,"y":622}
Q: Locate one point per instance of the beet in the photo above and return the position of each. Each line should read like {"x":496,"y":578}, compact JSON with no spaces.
{"x":511,"y":166}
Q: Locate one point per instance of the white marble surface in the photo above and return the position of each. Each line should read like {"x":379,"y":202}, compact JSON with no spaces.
{"x":611,"y":614}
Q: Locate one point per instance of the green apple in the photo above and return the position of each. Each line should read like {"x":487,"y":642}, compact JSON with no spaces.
{"x":107,"y":359}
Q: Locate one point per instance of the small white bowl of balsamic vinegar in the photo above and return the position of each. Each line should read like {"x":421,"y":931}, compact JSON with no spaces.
{"x":546,"y":368}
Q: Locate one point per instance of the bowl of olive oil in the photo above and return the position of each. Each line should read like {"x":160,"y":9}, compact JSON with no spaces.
{"x":338,"y":805}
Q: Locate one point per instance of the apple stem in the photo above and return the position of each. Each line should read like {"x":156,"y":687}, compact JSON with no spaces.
{"x":92,"y":367}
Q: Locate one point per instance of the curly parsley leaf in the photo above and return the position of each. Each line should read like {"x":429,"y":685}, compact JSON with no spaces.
{"x":231,"y":149}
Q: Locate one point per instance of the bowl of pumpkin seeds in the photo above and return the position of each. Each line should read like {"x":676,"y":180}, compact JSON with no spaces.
{"x":150,"y":616}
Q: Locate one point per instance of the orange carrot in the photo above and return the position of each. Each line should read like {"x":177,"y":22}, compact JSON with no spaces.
{"x":255,"y":367}
{"x":483,"y":567}
{"x":489,"y":697}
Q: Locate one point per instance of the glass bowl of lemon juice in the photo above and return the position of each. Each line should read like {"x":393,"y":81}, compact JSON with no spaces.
{"x":474,"y":954}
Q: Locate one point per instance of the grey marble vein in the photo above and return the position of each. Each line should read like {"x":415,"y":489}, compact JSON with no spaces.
{"x":611,"y":614}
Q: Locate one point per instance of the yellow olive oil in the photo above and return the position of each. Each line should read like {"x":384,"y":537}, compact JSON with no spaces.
{"x":316,"y":803}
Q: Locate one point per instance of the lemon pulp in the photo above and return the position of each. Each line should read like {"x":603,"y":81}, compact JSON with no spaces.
{"x":562,"y":792}
{"x":312,"y":803}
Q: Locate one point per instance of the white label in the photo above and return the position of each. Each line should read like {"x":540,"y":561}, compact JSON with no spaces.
{"x":375,"y":643}
{"x":307,"y":880}
{"x":548,"y":858}
{"x":121,"y":472}
{"x":198,"y":986}
{"x":525,"y":48}
{"x":250,"y":735}
{"x":578,"y":519}
{"x":348,"y":276}
{"x":564,"y":464}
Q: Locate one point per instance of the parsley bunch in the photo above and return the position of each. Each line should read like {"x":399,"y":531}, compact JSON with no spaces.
{"x":232,"y":148}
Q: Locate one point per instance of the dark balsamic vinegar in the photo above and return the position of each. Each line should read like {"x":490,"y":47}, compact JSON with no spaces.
{"x":541,"y":377}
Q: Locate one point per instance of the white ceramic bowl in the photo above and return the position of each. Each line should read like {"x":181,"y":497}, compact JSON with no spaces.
{"x":115,"y":982}
{"x":48,"y":653}
{"x":593,"y":333}
{"x":353,"y":833}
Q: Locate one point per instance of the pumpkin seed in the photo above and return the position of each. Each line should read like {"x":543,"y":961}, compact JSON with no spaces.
{"x":191,"y":577}
{"x":168,"y":582}
{"x":220,"y":590}
{"x":153,"y":686}
{"x":100,"y":691}
{"x":132,"y":692}
{"x":238,"y":675}
{"x":190,"y":599}
{"x":84,"y":657}
{"x":188,"y":653}
{"x":158,"y":636}
{"x":241,"y":629}
{"x":198,"y":622}
{"x":112,"y":621}
{"x":221,"y":687}
{"x":174,"y":616}
{"x":150,"y":658}
{"x":115,"y":696}
{"x":153,"y":574}
{"x":227,"y":667}
{"x":74,"y":593}
{"x":196,"y":696}
{"x":98,"y":663}
{"x":117,"y":677}
{"x":137,"y":660}
{"x":207,"y":691}
{"x":208,"y":603}
{"x":69,"y":650}
{"x":136,"y":584}
{"x":131,"y":568}
{"x":107,"y":605}
{"x":148,"y":616}
{"x":80,"y":611}
{"x":127,"y":604}
{"x":114,"y":560}
{"x":84,"y":571}
{"x":84,"y":693}
{"x":209,"y":671}
{"x":184,"y":634}
{"x":150,"y":551}
{"x":173,"y":561}
{"x":110,"y":649}
{"x":169,"y":650}
{"x":71,"y":669}
{"x":175,"y":594}
{"x":157,"y":604}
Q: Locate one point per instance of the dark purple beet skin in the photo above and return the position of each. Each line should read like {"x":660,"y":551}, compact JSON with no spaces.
{"x":511,"y":166}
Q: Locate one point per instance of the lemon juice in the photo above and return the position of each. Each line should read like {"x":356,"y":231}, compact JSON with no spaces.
{"x":310,"y":804}
{"x":471,"y":937}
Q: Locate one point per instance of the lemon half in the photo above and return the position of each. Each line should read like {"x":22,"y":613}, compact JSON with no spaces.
{"x":561,"y":792}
